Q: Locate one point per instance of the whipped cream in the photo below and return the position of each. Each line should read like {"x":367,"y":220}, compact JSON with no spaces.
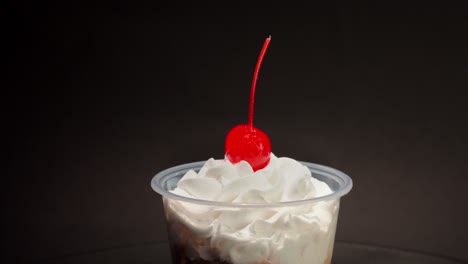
{"x":284,"y":234}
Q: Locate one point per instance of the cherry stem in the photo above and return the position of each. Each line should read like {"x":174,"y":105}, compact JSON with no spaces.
{"x":254,"y":81}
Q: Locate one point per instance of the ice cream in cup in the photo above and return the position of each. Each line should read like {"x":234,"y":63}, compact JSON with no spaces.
{"x":251,"y":207}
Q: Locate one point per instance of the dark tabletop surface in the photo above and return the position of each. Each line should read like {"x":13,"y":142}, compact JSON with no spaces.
{"x":344,"y":253}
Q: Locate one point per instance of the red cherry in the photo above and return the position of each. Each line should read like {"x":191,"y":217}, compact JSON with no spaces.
{"x":246,"y":142}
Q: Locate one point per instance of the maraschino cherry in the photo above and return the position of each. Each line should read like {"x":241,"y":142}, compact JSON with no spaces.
{"x":246,"y":142}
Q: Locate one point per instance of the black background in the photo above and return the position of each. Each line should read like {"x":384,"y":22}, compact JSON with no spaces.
{"x":105,"y":95}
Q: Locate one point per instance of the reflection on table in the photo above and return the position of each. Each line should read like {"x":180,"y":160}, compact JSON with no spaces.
{"x":344,"y":253}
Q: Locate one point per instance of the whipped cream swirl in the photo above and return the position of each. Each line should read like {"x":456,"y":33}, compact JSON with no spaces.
{"x":283,"y":234}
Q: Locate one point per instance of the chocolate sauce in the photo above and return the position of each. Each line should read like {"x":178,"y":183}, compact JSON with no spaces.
{"x":178,"y":256}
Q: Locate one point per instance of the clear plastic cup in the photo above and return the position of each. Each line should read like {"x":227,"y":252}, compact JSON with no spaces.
{"x":297,"y":232}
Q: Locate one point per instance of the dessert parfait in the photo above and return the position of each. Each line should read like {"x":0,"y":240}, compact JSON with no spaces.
{"x":251,"y":207}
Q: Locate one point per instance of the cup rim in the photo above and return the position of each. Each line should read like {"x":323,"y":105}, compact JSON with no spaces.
{"x":345,"y":186}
